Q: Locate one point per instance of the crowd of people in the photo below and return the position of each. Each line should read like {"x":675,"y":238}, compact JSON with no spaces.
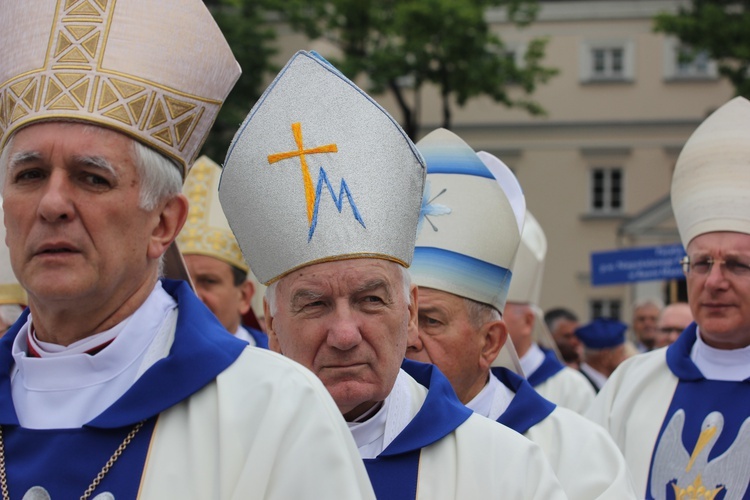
{"x":401,"y":352}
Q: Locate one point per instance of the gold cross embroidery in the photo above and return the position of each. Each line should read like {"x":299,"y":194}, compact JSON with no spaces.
{"x":301,"y":152}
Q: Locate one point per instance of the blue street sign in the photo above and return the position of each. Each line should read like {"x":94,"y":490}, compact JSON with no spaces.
{"x":629,"y":265}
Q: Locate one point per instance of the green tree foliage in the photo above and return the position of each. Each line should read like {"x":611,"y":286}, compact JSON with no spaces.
{"x":251,"y":37}
{"x":403,"y":45}
{"x":719,"y":27}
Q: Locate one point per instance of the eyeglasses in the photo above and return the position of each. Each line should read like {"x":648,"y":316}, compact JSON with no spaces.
{"x":670,"y":329}
{"x":702,"y":266}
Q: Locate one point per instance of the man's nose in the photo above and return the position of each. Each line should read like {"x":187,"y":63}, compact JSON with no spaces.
{"x":414,"y":340}
{"x":56,"y":202}
{"x":344,"y":330}
{"x":716,"y":276}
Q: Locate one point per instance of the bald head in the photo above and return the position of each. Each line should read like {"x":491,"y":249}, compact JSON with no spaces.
{"x":673,"y":319}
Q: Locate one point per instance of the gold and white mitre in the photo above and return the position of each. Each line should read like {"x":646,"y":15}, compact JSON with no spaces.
{"x":206,"y":231}
{"x":11,"y":292}
{"x":157,"y":71}
{"x":711,"y":181}
{"x":318,"y":172}
{"x":470,"y":231}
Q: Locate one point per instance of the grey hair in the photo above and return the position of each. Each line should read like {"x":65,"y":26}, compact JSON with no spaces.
{"x":270,"y":294}
{"x":648,"y":302}
{"x":160,"y":177}
{"x":480,"y":313}
{"x":4,"y":160}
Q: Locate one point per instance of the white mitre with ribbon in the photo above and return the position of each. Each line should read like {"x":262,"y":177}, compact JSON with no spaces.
{"x":318,"y":172}
{"x":11,"y":292}
{"x":526,"y":285}
{"x":473,"y":217}
{"x":469,"y":234}
{"x":711,"y":181}
{"x":206,"y":231}
{"x":157,"y":71}
{"x":508,"y":357}
{"x":528,"y":269}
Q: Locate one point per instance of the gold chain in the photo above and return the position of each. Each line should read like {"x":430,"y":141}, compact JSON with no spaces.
{"x":98,"y":479}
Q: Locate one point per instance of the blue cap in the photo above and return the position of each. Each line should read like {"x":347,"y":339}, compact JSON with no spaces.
{"x":602,"y":333}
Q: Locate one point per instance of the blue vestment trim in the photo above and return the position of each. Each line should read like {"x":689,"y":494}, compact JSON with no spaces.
{"x":550,"y":366}
{"x":698,"y":405}
{"x":440,"y":414}
{"x":527,"y":408}
{"x":394,"y":472}
{"x":65,"y":461}
{"x":394,"y":477}
{"x":260,"y":338}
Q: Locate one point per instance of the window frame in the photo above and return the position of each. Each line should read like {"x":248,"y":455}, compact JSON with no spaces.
{"x":608,"y":190}
{"x":587,"y":61}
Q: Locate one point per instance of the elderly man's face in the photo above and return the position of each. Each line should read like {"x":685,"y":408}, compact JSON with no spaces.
{"x":348,"y":321}
{"x":720,"y":299}
{"x":449,"y":339}
{"x":74,"y":227}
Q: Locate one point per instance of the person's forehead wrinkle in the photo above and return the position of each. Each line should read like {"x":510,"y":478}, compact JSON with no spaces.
{"x":374,"y":284}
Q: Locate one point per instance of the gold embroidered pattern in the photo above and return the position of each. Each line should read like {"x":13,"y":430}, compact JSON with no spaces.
{"x":198,"y":236}
{"x":73,"y":83}
{"x":301,"y":152}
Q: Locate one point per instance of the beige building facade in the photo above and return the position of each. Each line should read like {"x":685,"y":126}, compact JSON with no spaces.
{"x":596,"y":170}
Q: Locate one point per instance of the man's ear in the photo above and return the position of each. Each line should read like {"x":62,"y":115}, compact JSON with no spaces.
{"x":168,"y":224}
{"x":246,"y":290}
{"x":413,"y":326}
{"x":273,"y":340}
{"x":494,"y":334}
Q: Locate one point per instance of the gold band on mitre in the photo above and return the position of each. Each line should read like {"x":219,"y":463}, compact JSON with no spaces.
{"x":206,"y":231}
{"x":13,"y":293}
{"x":155,"y":71}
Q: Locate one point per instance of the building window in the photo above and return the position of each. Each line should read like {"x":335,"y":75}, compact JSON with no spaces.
{"x":606,"y":190}
{"x":605,"y":308}
{"x":607,"y":61}
{"x":689,"y":65}
{"x":682,"y":63}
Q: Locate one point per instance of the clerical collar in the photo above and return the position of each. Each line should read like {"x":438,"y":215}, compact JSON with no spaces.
{"x":68,"y":388}
{"x":492,"y":400}
{"x":369,"y":413}
{"x":532,"y":360}
{"x":720,"y":364}
{"x":90,"y":345}
{"x":374,"y":435}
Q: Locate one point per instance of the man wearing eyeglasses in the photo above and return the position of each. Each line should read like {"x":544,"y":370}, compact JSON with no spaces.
{"x":673,"y":319}
{"x":681,"y":415}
